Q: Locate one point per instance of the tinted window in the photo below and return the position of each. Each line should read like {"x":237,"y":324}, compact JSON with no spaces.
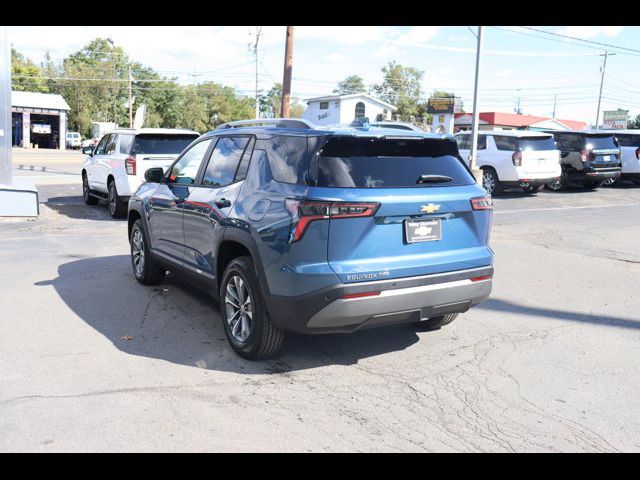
{"x":598,"y":142}
{"x":397,"y":127}
{"x":628,"y":139}
{"x":241,"y":174}
{"x":569,"y":142}
{"x":506,"y":143}
{"x":157,"y":144}
{"x":463,"y":141}
{"x":287,"y":158}
{"x":482,"y":142}
{"x":126,"y":142}
{"x":186,"y":169}
{"x":537,"y":143}
{"x":111,"y":145}
{"x":224,"y":161}
{"x":387,"y":163}
{"x":102,"y":145}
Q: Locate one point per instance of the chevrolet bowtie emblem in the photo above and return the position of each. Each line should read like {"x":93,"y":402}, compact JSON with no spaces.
{"x":430,"y":208}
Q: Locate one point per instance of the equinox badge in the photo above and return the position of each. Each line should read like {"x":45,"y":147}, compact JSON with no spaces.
{"x":430,"y":208}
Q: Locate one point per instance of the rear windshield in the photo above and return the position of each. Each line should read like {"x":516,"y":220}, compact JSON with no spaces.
{"x":628,"y":139}
{"x":600,"y":142}
{"x":537,"y":143}
{"x":390,"y":163}
{"x":161,"y":144}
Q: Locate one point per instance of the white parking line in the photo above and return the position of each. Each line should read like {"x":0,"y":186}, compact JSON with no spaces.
{"x":568,"y":208}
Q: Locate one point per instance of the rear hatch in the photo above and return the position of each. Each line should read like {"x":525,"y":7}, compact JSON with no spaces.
{"x":158,"y":150}
{"x":603,"y":150}
{"x":402,"y":208}
{"x":540,"y":156}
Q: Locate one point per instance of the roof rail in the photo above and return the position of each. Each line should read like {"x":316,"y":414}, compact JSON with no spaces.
{"x":278,"y":122}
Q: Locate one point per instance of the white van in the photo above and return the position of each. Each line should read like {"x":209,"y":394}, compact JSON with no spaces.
{"x":513,"y":158}
{"x":73,"y":140}
{"x":629,"y":141}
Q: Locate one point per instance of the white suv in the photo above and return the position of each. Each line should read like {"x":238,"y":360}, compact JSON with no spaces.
{"x":513,"y":158}
{"x":629,"y":141}
{"x":116,"y":167}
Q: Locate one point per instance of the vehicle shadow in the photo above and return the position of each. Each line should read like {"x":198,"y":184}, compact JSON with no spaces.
{"x":74,"y":207}
{"x":177,"y":323}
{"x":603,"y":320}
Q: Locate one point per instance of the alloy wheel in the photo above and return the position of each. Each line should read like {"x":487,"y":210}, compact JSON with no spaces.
{"x":85,"y":188}
{"x":609,"y":182}
{"x":137,"y":252}
{"x":488,"y":182}
{"x":112,"y":198}
{"x":239,"y":308}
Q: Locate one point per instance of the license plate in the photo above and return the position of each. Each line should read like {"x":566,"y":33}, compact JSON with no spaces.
{"x":423,"y":230}
{"x":606,"y":158}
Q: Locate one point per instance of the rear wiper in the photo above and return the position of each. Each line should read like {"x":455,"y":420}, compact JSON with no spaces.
{"x":433,"y":179}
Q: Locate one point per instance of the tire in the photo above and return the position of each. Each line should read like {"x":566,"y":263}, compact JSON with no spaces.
{"x":611,"y":182}
{"x":556,"y":186}
{"x":244,"y":314}
{"x":117,"y":208}
{"x":490,"y":181}
{"x":86,"y":192}
{"x":145,"y":268}
{"x":592,"y":185}
{"x":532,"y":188}
{"x":436,"y":323}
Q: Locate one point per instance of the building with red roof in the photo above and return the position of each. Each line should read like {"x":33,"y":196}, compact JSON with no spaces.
{"x":511,"y":121}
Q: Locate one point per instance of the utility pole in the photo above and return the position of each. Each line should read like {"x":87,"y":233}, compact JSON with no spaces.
{"x":288,"y":70}
{"x":604,"y":66}
{"x":115,"y":79}
{"x":6,"y":124}
{"x":254,"y":49}
{"x":130,"y":102}
{"x":555,"y":98}
{"x":476,"y":115}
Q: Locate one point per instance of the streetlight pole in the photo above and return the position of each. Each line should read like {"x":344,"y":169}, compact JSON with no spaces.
{"x":130,"y":102}
{"x":115,"y":78}
{"x":476,"y":115}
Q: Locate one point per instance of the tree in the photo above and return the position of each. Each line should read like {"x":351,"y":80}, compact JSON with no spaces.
{"x":635,"y":123}
{"x":26,"y":75}
{"x":270,"y":103}
{"x":351,"y":84}
{"x":401,"y":87}
{"x":296,"y":110}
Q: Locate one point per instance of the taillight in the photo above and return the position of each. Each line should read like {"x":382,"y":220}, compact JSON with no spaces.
{"x":585,"y":155}
{"x":130,"y":165}
{"x":517,"y":158}
{"x":638,"y":153}
{"x":482,"y":203}
{"x":306,"y":211}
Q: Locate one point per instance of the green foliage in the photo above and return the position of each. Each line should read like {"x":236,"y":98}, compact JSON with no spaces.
{"x":26,"y":75}
{"x":351,"y":84}
{"x":401,"y":87}
{"x":271,"y":102}
{"x":634,"y":123}
{"x":296,"y":110}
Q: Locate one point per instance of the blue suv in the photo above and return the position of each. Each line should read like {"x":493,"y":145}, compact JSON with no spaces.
{"x":316,"y":229}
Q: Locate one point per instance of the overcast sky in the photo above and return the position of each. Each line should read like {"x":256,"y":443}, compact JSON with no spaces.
{"x":516,"y":62}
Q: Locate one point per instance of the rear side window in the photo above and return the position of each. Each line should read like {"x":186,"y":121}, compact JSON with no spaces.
{"x":601,"y":142}
{"x":628,"y":140}
{"x":463,"y":141}
{"x":504,"y":142}
{"x":389,"y":163}
{"x":158,"y":144}
{"x":569,"y":142}
{"x":537,"y":143}
{"x":126,"y":142}
{"x":224,"y":161}
{"x":287,"y":158}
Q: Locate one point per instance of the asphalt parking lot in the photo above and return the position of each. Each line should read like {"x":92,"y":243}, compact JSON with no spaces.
{"x":92,"y":361}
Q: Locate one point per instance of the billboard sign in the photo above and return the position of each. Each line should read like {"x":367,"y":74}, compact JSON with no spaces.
{"x":615,"y":118}
{"x":443,"y":105}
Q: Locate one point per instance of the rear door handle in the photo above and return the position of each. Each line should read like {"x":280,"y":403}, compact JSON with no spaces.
{"x":223,"y":203}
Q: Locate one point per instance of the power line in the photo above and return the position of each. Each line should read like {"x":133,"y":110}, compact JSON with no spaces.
{"x":608,"y":45}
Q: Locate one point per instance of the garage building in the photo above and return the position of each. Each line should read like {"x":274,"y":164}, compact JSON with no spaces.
{"x":38,"y":119}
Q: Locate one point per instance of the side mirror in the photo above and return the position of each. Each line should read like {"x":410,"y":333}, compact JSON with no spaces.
{"x":154,"y":175}
{"x":87,"y":150}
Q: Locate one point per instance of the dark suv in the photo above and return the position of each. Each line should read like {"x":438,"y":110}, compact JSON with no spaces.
{"x":316,"y":230}
{"x":587,"y":157}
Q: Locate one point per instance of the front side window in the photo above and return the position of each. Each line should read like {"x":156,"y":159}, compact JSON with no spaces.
{"x":185,"y":170}
{"x":111,"y":145}
{"x":102,"y":145}
{"x":224,"y":161}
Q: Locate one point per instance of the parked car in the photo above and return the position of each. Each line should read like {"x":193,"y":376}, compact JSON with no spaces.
{"x":397,"y":126}
{"x":588,"y":157}
{"x":513,"y":158}
{"x":320,"y":230}
{"x":629,"y":141}
{"x":116,"y":167}
{"x":73,"y":140}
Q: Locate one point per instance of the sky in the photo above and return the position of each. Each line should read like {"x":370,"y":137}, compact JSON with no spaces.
{"x":516,"y":63}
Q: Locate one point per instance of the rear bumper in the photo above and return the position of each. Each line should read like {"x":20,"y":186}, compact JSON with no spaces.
{"x":595,"y":175}
{"x":523,"y":182}
{"x":399,"y":301}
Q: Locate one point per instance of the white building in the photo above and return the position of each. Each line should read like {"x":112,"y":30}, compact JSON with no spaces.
{"x":332,"y":109}
{"x":38,"y":119}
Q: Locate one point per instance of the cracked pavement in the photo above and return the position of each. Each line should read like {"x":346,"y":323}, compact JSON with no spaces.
{"x":92,"y":361}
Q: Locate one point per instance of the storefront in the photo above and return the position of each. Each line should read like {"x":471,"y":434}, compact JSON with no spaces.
{"x":39,"y":120}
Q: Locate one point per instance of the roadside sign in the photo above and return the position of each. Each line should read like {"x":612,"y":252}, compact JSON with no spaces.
{"x":440,"y":105}
{"x":615,"y":118}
